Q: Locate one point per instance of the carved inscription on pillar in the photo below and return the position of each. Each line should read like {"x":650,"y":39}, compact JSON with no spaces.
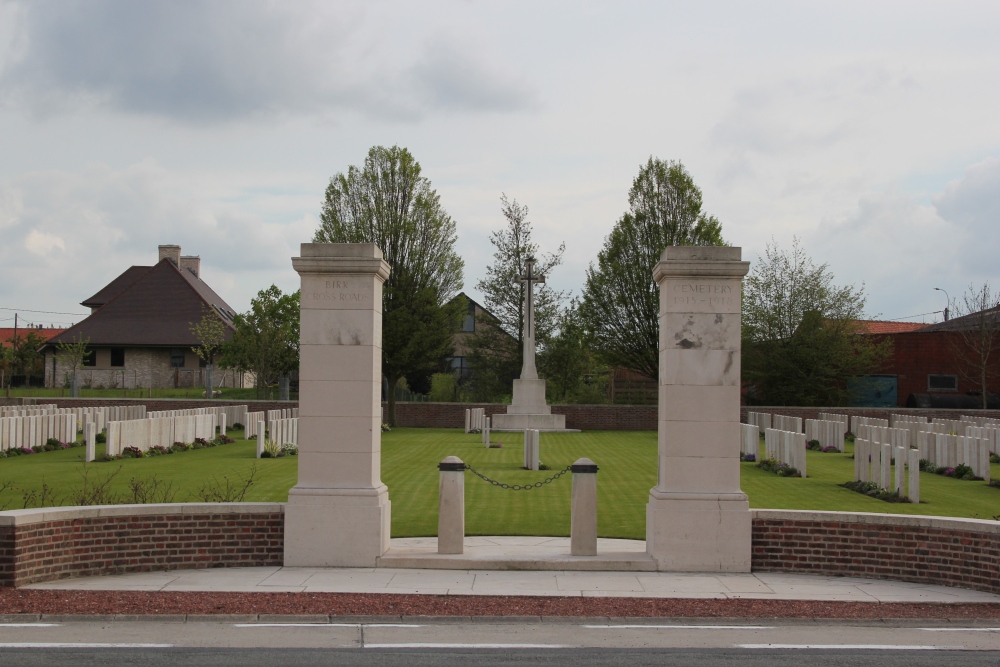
{"x":338,"y":294}
{"x":694,"y":296}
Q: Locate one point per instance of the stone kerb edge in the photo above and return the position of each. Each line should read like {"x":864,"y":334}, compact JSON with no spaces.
{"x":342,"y":265}
{"x":888,"y":520}
{"x":27,"y":517}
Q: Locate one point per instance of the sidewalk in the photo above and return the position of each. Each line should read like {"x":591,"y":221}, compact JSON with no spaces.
{"x":471,"y":579}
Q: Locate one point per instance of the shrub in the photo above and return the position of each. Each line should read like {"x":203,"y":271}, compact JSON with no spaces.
{"x":288,"y":449}
{"x":386,"y":428}
{"x":749,"y":458}
{"x":849,"y":437}
{"x":962,"y":472}
{"x":131,"y":453}
{"x":873,"y":490}
{"x":272,"y":450}
{"x":196,"y":445}
{"x":496,"y":445}
{"x":101,"y":438}
{"x":37,"y":448}
{"x":830,"y":448}
{"x":235,"y":426}
{"x":13,"y":451}
{"x":67,"y":445}
{"x":3,"y":454}
{"x":54,"y":442}
{"x":778,"y":468}
{"x":814,"y":445}
{"x":158,"y":450}
{"x":179,"y":447}
{"x":994,"y":458}
{"x":223,"y":439}
{"x":204,"y":443}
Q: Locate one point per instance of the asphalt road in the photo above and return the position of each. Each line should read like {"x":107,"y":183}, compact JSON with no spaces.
{"x":178,"y":643}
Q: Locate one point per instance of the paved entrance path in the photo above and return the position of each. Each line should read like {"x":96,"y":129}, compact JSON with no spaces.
{"x":554,"y":582}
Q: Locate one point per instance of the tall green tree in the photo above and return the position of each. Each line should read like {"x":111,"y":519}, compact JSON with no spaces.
{"x":497,"y":347}
{"x":574,"y":375}
{"x":387,"y":202}
{"x":801,"y":342}
{"x":620,"y":301}
{"x":72,"y":354}
{"x":265,"y":341}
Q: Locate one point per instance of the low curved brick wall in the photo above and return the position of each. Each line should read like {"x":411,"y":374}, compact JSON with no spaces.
{"x":56,"y":543}
{"x":921,"y":549}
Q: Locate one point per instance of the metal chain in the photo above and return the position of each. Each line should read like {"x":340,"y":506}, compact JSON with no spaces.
{"x":518,"y":487}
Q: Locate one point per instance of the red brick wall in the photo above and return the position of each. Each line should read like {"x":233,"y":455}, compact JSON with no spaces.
{"x":915,"y":355}
{"x":920,"y":554}
{"x":58,"y":549}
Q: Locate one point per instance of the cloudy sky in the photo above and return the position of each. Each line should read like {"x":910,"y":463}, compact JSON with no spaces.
{"x":870,"y":130}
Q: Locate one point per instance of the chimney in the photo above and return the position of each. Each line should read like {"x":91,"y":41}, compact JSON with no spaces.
{"x":192,"y":263}
{"x":171,"y":252}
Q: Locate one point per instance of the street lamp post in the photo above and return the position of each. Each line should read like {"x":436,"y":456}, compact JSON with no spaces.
{"x":947,"y":304}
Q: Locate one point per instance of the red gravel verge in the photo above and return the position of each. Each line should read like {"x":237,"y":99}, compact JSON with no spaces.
{"x":20,"y":601}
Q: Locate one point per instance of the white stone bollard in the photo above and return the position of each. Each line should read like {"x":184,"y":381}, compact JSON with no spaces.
{"x":583,"y":516}
{"x":486,"y":432}
{"x":913,"y":492}
{"x":222,"y":423}
{"x":468,"y":420}
{"x":260,"y":438}
{"x":451,"y":506}
{"x":90,"y":441}
{"x":531,"y":449}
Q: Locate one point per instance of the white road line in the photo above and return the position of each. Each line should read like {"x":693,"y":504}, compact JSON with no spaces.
{"x":681,"y":627}
{"x":435,"y":645}
{"x":326,"y":625}
{"x":79,"y":645}
{"x":853,"y":647}
{"x":960,"y":629}
{"x":29,"y":625}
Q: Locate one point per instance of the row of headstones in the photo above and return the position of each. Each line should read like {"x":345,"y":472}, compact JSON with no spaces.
{"x":876,"y":462}
{"x":788,"y":447}
{"x":475,"y":419}
{"x":281,"y":431}
{"x":99,"y":414}
{"x":989,"y":433}
{"x":827,"y":433}
{"x":26,"y":410}
{"x":235,"y":414}
{"x":845,"y":421}
{"x":34,"y":431}
{"x":284,"y":413}
{"x":254,"y":419}
{"x":949,"y":451}
{"x":160,"y":431}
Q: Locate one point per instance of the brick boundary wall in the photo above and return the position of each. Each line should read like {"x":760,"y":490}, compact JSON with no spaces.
{"x":60,"y":542}
{"x":964,"y":553}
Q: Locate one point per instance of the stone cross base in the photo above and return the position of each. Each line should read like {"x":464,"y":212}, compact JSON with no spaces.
{"x":542,"y":422}
{"x":528,"y":398}
{"x":695,"y":532}
{"x":333,"y":527}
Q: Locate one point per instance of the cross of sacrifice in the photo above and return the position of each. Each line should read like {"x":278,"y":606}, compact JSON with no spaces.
{"x":529,"y":278}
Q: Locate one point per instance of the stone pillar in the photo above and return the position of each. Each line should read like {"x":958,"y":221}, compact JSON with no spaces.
{"x":260,"y":437}
{"x":338,"y":513}
{"x":583,"y":515}
{"x":90,"y":441}
{"x":698,"y":518}
{"x":451,"y":506}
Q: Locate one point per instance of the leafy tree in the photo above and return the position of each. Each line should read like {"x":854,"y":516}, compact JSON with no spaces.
{"x":800,"y":332}
{"x":73,"y":354}
{"x":265,"y":341}
{"x":387,"y":202}
{"x":497,"y":347}
{"x":620,"y":301}
{"x":210,"y":331}
{"x":7,"y":366}
{"x":569,"y":363}
{"x":978,"y":336}
{"x":27,"y":356}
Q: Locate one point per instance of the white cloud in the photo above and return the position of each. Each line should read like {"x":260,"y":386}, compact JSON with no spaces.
{"x":42,"y":244}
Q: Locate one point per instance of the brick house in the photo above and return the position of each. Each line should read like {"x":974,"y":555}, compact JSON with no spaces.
{"x":929,"y":363}
{"x":139,"y":329}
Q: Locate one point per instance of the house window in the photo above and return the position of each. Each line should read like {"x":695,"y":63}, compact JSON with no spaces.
{"x":117,"y":357}
{"x":89,"y":358}
{"x":177,"y":357}
{"x":942,"y":383}
{"x":469,"y":323}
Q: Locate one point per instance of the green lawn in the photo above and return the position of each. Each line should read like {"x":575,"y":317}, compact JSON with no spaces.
{"x":409,"y":467}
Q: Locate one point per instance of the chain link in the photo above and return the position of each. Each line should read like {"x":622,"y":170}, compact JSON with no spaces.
{"x":518,"y":487}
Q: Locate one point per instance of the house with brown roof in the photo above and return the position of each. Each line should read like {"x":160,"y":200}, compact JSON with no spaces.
{"x":139,"y":330}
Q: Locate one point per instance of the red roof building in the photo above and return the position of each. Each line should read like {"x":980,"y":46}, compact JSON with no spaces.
{"x":139,"y":329}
